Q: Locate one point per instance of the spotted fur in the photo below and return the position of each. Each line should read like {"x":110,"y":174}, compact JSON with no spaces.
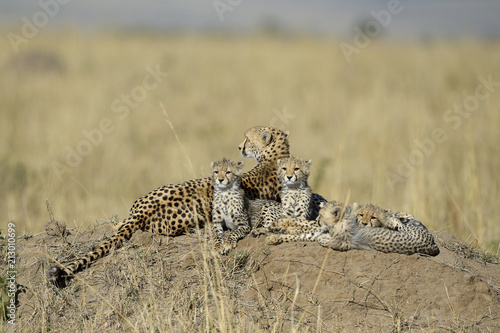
{"x":296,"y":196}
{"x":370,"y":215}
{"x":262,"y":212}
{"x":344,"y":233}
{"x":230,"y":205}
{"x":252,"y":147}
{"x":174,"y":209}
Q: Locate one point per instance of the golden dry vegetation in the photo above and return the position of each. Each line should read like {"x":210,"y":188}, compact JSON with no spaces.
{"x":68,"y":135}
{"x":179,"y":284}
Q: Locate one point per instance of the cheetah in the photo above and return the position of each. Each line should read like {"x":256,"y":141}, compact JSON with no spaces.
{"x":266,"y":145}
{"x":335,"y":228}
{"x":296,"y":196}
{"x":370,"y":215}
{"x":294,"y":226}
{"x":253,"y":147}
{"x":261,"y":212}
{"x":344,"y":233}
{"x":172,"y":210}
{"x":297,"y":226}
{"x":230,"y":205}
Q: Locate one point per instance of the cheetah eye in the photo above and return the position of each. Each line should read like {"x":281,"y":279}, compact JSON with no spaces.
{"x":296,"y":169}
{"x":216,"y":172}
{"x":373,"y":218}
{"x":228,"y":172}
{"x":283,"y":169}
{"x":364,"y":223}
{"x":360,"y":215}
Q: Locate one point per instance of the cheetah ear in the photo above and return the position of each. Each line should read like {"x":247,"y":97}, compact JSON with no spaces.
{"x":387,"y":211}
{"x":355,"y":206}
{"x":322,"y":204}
{"x":267,"y":137}
{"x":212,"y":165}
{"x":278,"y":161}
{"x":309,"y":162}
{"x":240,"y":164}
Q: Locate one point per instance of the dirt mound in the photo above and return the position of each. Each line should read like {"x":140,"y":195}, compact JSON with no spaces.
{"x":371,"y":290}
{"x":177,"y":284}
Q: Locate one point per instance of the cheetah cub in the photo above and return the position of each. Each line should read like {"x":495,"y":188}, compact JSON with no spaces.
{"x":295,"y":226}
{"x":296,"y":196}
{"x":336,"y":229}
{"x":345,"y":233}
{"x":229,"y":205}
{"x":370,"y":215}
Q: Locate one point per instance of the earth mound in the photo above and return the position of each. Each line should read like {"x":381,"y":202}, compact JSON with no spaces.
{"x":156,"y":283}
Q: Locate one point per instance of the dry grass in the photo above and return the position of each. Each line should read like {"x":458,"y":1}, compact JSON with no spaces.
{"x":152,"y":289}
{"x":355,"y":121}
{"x":178,"y":285}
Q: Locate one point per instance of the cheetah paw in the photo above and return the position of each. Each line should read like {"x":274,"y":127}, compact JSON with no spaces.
{"x":394,"y":223}
{"x":257,"y":232}
{"x":273,"y":240}
{"x":226,"y":249}
{"x":217,"y":249}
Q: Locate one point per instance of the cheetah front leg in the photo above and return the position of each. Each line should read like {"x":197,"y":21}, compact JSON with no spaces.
{"x":258,"y":229}
{"x":393,"y":223}
{"x":218,"y":232}
{"x":243,"y":229}
{"x":276,"y":239}
{"x":294,"y":226}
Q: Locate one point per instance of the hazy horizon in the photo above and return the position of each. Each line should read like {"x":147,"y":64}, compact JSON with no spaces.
{"x":477,"y":19}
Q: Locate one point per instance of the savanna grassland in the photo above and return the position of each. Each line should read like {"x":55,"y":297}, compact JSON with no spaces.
{"x":90,"y":122}
{"x":82,"y":124}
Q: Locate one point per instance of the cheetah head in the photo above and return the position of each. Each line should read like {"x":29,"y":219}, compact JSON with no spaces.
{"x":226,"y":173}
{"x":369,"y":215}
{"x":293,"y":171}
{"x":332,"y":212}
{"x":265,"y":143}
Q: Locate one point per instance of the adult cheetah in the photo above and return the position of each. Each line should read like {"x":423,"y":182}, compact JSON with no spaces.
{"x":171,"y":210}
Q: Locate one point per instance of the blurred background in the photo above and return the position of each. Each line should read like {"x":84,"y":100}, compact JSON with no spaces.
{"x":396,"y":102}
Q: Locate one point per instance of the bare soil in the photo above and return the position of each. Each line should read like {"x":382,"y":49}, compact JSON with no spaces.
{"x":162,"y":284}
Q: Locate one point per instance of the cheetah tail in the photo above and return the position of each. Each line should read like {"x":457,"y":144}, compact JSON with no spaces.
{"x":60,"y":274}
